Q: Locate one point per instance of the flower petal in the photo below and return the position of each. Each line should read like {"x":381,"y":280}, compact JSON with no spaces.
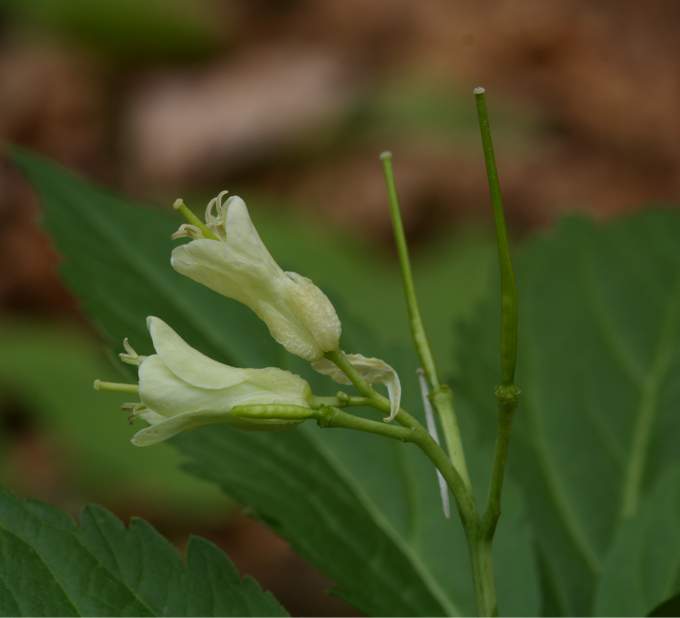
{"x":169,"y":427}
{"x":372,"y":370}
{"x":186,"y":362}
{"x":241,"y":234}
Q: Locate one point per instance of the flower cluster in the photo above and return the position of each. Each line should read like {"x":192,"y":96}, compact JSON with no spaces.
{"x":180,"y":388}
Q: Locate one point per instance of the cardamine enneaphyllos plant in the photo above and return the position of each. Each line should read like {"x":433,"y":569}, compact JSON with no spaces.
{"x":179,"y":388}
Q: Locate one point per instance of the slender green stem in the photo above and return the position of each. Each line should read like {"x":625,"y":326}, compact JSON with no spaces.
{"x":420,"y":437}
{"x":465,"y":502}
{"x":334,"y":417}
{"x":442,"y":400}
{"x":371,"y":397}
{"x":417,"y":329}
{"x":440,"y":394}
{"x":341,"y":400}
{"x":507,"y":393}
{"x":508,"y":287}
{"x":329,"y":416}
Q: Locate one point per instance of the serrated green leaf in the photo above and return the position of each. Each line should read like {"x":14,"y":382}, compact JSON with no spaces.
{"x":49,"y":566}
{"x":642,"y":567}
{"x":366,"y":511}
{"x":599,"y":369}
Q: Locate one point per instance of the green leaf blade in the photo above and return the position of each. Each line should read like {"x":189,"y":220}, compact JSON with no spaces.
{"x":599,"y":368}
{"x":365,"y":511}
{"x":51,"y":567}
{"x":642,"y":567}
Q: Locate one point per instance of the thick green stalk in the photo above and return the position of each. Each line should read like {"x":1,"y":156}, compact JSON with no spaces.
{"x":481,"y":559}
{"x":440,"y":394}
{"x":508,"y":398}
{"x":508,"y":287}
{"x":507,"y":393}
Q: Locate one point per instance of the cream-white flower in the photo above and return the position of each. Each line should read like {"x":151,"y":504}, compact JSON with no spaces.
{"x":181,"y":389}
{"x":372,"y":370}
{"x":232,"y":259}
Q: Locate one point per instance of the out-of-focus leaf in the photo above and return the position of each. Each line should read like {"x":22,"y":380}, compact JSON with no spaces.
{"x":599,"y":367}
{"x":366,"y":511}
{"x":51,"y":567}
{"x":420,"y":106}
{"x":116,"y":260}
{"x":642,"y":568}
{"x":671,"y":607}
{"x":50,"y":372}
{"x":125,"y":28}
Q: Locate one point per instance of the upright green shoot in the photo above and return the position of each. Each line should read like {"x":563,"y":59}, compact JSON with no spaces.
{"x":507,"y":392}
{"x":440,"y":394}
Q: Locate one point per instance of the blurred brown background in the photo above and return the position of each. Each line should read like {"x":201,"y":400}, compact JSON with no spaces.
{"x":294,"y":100}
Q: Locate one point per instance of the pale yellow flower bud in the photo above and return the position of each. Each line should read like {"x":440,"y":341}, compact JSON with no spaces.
{"x":229,"y":257}
{"x":181,"y":389}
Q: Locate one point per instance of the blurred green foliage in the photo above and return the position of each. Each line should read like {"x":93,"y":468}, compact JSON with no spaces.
{"x":418,"y":106}
{"x":125,"y":29}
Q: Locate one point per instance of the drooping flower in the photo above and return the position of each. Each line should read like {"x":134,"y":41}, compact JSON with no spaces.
{"x":227,"y":255}
{"x":180,"y":389}
{"x":373,"y":370}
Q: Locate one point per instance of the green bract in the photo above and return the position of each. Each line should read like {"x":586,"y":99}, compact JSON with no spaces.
{"x":228,"y":256}
{"x":181,"y":389}
{"x":370,"y":369}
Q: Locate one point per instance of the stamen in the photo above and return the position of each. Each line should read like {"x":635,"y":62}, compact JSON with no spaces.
{"x":130,"y":356}
{"x":187,"y":230}
{"x":133,"y":410}
{"x":184,"y":210}
{"x":118,"y":387}
{"x":128,"y":348}
{"x":432,"y":430}
{"x":216,"y":215}
{"x":215,"y":204}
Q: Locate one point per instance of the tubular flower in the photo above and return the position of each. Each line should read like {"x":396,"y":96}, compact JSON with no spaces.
{"x":227,"y":255}
{"x":180,"y":389}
